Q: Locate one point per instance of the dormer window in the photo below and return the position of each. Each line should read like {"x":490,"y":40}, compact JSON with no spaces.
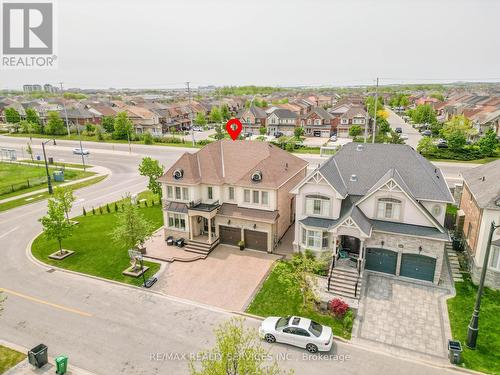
{"x":388,"y":208}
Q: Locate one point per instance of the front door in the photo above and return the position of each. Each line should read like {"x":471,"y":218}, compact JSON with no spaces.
{"x":205,"y":225}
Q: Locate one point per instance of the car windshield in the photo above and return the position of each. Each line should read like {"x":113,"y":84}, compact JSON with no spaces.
{"x":315,"y":328}
{"x":282,"y":322}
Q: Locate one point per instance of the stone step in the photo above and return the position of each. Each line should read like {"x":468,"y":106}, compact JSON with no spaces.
{"x":344,"y":276}
{"x":343,"y":284}
{"x":345,"y":292}
{"x":345,"y":271}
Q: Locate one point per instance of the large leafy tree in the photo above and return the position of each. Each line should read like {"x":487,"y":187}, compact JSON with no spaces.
{"x":12,"y":115}
{"x":200,"y":119}
{"x":297,"y":132}
{"x":108,"y":123}
{"x":123,"y":127}
{"x":131,"y":229}
{"x":488,"y":143}
{"x":215,"y":115}
{"x":224,"y":110}
{"x":55,"y":226}
{"x":355,"y":130}
{"x":32,"y":116}
{"x":426,"y":146}
{"x":237,"y":351}
{"x":55,"y":125}
{"x":153,"y":170}
{"x":65,"y":197}
{"x":457,"y":125}
{"x":423,"y":114}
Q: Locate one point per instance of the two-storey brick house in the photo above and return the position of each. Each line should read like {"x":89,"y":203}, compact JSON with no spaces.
{"x":252,"y":119}
{"x":317,"y":123}
{"x":374,"y":212}
{"x":230,"y":191}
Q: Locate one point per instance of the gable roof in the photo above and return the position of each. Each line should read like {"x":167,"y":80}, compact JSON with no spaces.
{"x":321,"y":112}
{"x":483,"y":184}
{"x":284,"y":113}
{"x":355,"y":111}
{"x":370,"y":164}
{"x":234,"y":162}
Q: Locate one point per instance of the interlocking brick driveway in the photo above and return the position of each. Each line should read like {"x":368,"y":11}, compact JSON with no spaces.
{"x":403,"y":315}
{"x":227,"y":278}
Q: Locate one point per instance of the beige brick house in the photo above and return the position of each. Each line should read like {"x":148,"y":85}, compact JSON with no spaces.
{"x":231,"y":191}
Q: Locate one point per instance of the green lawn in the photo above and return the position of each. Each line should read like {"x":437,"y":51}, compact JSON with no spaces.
{"x":95,"y":252}
{"x":9,"y":358}
{"x":16,"y":179}
{"x":486,"y":357}
{"x":274,"y":299}
{"x":57,"y":164}
{"x":38,"y":197}
{"x":477,"y":161}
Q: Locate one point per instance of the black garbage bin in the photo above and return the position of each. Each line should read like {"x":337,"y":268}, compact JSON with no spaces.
{"x":454,"y":351}
{"x":51,"y":160}
{"x":38,"y":356}
{"x":180,"y":242}
{"x":170,"y":240}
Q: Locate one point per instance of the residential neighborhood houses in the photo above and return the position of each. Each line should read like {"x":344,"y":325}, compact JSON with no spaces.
{"x":377,"y":242}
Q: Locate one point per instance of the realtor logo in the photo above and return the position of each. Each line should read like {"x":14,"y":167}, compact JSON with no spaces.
{"x":28,"y":35}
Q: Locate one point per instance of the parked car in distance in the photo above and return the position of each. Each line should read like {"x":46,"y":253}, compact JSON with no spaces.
{"x":398,"y":130}
{"x":426,"y":133}
{"x":278,"y":134}
{"x":197,"y":128}
{"x":294,"y":330}
{"x":442,"y":143}
{"x":81,"y":151}
{"x":247,"y":135}
{"x":403,"y":137}
{"x":333,"y":138}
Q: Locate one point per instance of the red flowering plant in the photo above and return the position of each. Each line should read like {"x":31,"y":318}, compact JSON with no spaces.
{"x":338,"y":308}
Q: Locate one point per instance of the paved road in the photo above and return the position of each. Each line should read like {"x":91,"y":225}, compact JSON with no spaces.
{"x":113,"y":329}
{"x":397,"y":122}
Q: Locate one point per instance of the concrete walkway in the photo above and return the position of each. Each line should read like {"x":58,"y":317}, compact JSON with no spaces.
{"x":100,"y":171}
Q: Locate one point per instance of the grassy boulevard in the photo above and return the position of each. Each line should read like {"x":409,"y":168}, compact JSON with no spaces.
{"x":9,"y":358}
{"x":486,"y":357}
{"x":95,"y":251}
{"x":38,"y":197}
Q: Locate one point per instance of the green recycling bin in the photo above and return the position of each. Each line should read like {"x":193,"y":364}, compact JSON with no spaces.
{"x":59,"y":176}
{"x":61,"y":364}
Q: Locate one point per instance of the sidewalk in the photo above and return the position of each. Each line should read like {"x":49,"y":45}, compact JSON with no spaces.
{"x":24,"y":367}
{"x":100,"y":171}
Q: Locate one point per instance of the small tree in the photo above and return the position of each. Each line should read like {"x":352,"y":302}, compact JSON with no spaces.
{"x":29,"y":150}
{"x":132,"y":229}
{"x":299,"y":274}
{"x":262,"y":130}
{"x":123,"y":127}
{"x":64,"y":196}
{"x":32,"y":116}
{"x":298,"y":132}
{"x":12,"y":116}
{"x":488,"y":143}
{"x":200,"y":119}
{"x":237,"y":350}
{"x":355,"y":130}
{"x":219,"y":134}
{"x":55,"y":226}
{"x":152,"y":169}
{"x":426,"y":146}
{"x":224,"y":111}
{"x":55,"y":125}
{"x":108,"y":123}
{"x":147,"y":138}
{"x":215,"y":115}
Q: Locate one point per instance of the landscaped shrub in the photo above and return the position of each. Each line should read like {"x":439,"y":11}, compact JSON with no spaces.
{"x":116,"y":207}
{"x":338,"y":308}
{"x":93,"y":211}
{"x":204,"y":142}
{"x":147,"y":138}
{"x":170,"y":140}
{"x":348,"y":320}
{"x":100,"y":210}
{"x":108,"y":209}
{"x":145,"y":203}
{"x":84,"y":212}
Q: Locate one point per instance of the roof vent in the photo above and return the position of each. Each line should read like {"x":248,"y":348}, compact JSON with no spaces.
{"x":360,"y":147}
{"x":178,"y":174}
{"x":354,"y":178}
{"x":257,"y":176}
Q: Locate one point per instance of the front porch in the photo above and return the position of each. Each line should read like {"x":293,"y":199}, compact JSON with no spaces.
{"x":203,"y":235}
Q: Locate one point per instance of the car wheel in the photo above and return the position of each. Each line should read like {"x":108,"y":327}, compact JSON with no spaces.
{"x":270,"y":338}
{"x":311,"y":348}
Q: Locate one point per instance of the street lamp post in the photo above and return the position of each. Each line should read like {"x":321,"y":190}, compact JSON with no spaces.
{"x":474,"y":321}
{"x":49,"y":183}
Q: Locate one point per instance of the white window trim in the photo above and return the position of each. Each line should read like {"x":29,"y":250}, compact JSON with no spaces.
{"x":325,"y":206}
{"x":383,"y":216}
{"x":179,"y":217}
{"x":495,"y":251}
{"x":317,"y":236}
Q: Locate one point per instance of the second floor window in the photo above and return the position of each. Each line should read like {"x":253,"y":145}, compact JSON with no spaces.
{"x":231,"y":193}
{"x":210,"y":192}
{"x":388,"y":208}
{"x":170,"y":193}
{"x":317,"y":205}
{"x":178,"y":192}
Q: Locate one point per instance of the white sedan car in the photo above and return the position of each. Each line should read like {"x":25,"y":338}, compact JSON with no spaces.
{"x":297,"y":331}
{"x":81,"y":151}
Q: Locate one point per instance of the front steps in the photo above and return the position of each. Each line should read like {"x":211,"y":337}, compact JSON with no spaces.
{"x":342,"y":281}
{"x":454,"y":264}
{"x":201,"y":248}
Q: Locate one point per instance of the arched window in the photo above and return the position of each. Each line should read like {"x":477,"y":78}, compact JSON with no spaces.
{"x":388,"y":208}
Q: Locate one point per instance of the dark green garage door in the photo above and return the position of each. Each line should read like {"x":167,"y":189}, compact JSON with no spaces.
{"x":381,"y":260}
{"x":418,"y":267}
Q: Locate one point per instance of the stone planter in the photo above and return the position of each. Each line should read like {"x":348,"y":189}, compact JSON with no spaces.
{"x":58,"y":256}
{"x":135,"y":273}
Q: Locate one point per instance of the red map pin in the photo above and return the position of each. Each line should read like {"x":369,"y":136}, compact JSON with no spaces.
{"x":233,"y":127}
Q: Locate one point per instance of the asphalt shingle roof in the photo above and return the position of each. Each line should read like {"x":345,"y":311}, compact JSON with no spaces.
{"x":483,"y":182}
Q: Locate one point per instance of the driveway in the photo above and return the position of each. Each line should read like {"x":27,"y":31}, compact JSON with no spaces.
{"x":227,"y":278}
{"x":403,"y":317}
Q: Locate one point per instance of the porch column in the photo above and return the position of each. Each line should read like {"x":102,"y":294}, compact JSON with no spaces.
{"x":335,"y":249}
{"x":361,"y":254}
{"x":191,"y":227}
{"x":209,"y":229}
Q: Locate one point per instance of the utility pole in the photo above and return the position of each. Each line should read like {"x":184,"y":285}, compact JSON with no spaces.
{"x":375,"y":114}
{"x":190,"y":114}
{"x":473,"y":328}
{"x":65,"y":112}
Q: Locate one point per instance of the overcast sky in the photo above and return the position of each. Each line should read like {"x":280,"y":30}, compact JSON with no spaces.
{"x":161,"y":44}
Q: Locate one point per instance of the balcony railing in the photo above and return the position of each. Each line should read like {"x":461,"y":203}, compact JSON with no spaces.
{"x":205,"y":207}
